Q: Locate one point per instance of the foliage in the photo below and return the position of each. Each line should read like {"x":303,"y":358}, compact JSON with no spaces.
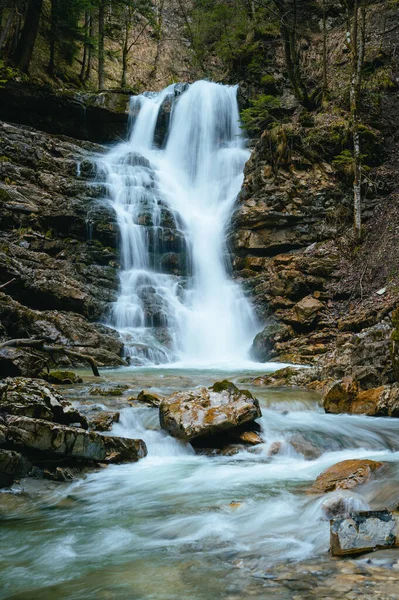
{"x":260,"y":114}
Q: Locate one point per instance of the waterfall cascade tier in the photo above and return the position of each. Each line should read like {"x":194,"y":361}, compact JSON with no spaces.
{"x":173,"y":195}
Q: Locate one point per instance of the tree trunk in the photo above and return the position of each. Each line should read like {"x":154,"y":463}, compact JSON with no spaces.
{"x":85,"y":45}
{"x":357,"y":44}
{"x":90,"y":49}
{"x":159,"y":34}
{"x":101,"y":19}
{"x":325,"y":77}
{"x":24,"y":50}
{"x":53,"y":27}
{"x":7,"y":26}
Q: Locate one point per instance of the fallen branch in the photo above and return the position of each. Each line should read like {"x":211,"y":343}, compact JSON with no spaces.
{"x":41,"y":345}
{"x":7,"y":283}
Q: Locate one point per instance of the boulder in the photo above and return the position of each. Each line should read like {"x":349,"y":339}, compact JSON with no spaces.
{"x":306,"y":310}
{"x":364,"y":531}
{"x":338,"y":396}
{"x":60,"y":441}
{"x":342,"y":504}
{"x":207,"y":412}
{"x":345,"y":475}
{"x":37,"y":399}
{"x":103,"y":421}
{"x":62,"y":377}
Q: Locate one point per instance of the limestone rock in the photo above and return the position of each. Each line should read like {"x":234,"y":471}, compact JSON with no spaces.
{"x":61,"y":441}
{"x":103,"y":421}
{"x":190,"y":415}
{"x":345,"y":475}
{"x":37,"y":399}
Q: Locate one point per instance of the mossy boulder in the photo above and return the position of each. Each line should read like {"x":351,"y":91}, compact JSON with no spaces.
{"x":62,"y":377}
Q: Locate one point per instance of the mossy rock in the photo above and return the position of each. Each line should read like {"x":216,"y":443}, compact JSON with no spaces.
{"x":61,"y":377}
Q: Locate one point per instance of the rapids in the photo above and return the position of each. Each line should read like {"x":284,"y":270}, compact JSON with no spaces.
{"x":173,"y":199}
{"x":165,"y":527}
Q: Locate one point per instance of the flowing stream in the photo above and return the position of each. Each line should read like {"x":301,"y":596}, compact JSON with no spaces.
{"x":166,"y":528}
{"x":176,"y":524}
{"x":173,"y":185}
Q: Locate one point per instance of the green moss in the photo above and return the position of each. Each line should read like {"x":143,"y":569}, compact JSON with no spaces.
{"x":260,"y":114}
{"x":224,"y":386}
{"x":61,"y":377}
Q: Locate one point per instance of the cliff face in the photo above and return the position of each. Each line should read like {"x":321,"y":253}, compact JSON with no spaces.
{"x":58,"y":243}
{"x":317,"y":288}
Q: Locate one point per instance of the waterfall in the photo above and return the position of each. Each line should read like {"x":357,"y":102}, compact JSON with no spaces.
{"x":173,"y":185}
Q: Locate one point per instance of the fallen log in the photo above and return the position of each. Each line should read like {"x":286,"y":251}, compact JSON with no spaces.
{"x":40,"y":344}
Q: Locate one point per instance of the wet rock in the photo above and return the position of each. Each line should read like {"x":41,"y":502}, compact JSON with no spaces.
{"x":302,"y":446}
{"x":60,"y":441}
{"x":342,"y":505}
{"x":150,"y":398}
{"x":58,"y":474}
{"x":345,"y":397}
{"x":345,"y":475}
{"x":339,"y":396}
{"x":12,"y":466}
{"x":123,"y":449}
{"x":250,"y":437}
{"x":108,"y":389}
{"x":208,"y":412}
{"x":275,"y":448}
{"x":37,"y":399}
{"x":287,"y":377}
{"x":364,"y":531}
{"x":103,"y":421}
{"x":62,"y":377}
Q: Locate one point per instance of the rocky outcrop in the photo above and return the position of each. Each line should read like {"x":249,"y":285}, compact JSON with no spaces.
{"x":57,"y":247}
{"x":364,"y":531}
{"x":38,"y":426}
{"x":200,"y":416}
{"x":100,"y":117}
{"x":345,"y":396}
{"x":345,"y":475}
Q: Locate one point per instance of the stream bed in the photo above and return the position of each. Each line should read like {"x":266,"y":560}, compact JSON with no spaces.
{"x":181,"y":525}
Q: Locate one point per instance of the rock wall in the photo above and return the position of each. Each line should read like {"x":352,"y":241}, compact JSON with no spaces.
{"x":58,"y":246}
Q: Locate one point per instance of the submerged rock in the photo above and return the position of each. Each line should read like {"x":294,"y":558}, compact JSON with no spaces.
{"x":207,"y":412}
{"x":345,"y":475}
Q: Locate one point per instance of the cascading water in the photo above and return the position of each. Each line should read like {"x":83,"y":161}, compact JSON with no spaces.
{"x":173,"y":206}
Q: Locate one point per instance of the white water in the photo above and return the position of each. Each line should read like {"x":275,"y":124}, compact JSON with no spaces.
{"x":174,"y":203}
{"x":164,"y":527}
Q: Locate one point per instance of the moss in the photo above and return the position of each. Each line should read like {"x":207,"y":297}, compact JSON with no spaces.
{"x":61,"y":377}
{"x":395,"y":323}
{"x":224,"y":386}
{"x":4,"y":195}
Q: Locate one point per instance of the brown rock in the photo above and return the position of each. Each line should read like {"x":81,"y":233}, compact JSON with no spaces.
{"x":150,"y":398}
{"x":250,"y":437}
{"x":338,"y":397}
{"x":274,"y":449}
{"x":306,"y":310}
{"x":344,"y":475}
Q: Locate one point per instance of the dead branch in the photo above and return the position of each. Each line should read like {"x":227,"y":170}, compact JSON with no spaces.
{"x":41,"y":345}
{"x":7,"y":283}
